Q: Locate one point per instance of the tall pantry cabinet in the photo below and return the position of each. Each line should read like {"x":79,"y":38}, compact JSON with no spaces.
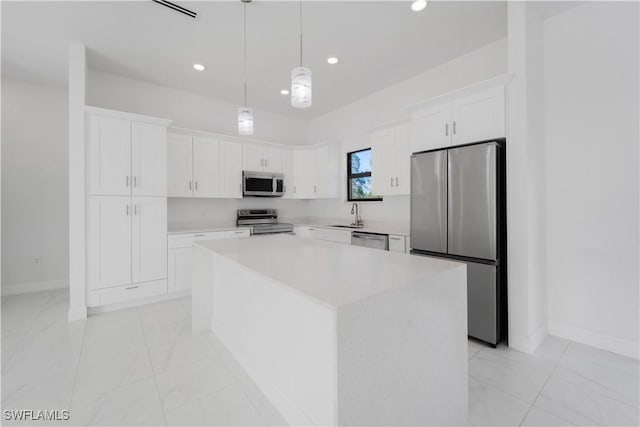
{"x":127,"y":206}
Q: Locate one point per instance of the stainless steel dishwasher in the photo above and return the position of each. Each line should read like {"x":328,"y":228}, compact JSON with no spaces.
{"x":370,"y":240}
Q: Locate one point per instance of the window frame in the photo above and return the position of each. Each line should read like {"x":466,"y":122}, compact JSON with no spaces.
{"x":351,"y":176}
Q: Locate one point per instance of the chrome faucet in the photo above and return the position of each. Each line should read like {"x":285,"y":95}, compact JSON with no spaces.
{"x":354,"y":211}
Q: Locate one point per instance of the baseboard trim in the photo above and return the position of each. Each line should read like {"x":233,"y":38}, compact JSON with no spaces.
{"x":529,"y":344}
{"x":137,"y":302}
{"x":595,"y":339}
{"x":24,"y":288}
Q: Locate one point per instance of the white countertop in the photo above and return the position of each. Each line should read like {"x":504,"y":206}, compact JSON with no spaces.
{"x":201,"y":227}
{"x":380,"y":229}
{"x":334,"y":274}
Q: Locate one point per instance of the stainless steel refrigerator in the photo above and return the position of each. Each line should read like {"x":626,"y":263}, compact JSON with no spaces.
{"x":458,"y":212}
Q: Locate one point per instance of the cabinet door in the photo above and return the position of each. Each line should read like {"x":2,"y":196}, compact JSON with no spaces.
{"x":252,"y":159}
{"x":432,"y":128}
{"x":149,"y":159}
{"x":206,"y":167}
{"x":230,"y":169}
{"x":403,"y":159}
{"x":149,"y":239}
{"x":179,"y":166}
{"x":320,"y":172}
{"x":110,"y":151}
{"x":305,"y":232}
{"x":287,"y":170}
{"x":109,"y":241}
{"x":179,"y":269}
{"x":396,"y":243}
{"x":479,"y":117}
{"x":383,"y":162}
{"x":303,"y":174}
{"x":273,"y":160}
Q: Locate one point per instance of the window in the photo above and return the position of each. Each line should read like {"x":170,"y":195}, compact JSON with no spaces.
{"x":359,"y":176}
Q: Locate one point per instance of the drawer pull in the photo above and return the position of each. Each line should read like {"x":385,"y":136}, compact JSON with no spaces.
{"x":394,"y":238}
{"x":131,"y":287}
{"x":198,"y":235}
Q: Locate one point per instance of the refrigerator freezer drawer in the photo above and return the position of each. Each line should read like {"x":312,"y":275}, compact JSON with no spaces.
{"x":482,"y":307}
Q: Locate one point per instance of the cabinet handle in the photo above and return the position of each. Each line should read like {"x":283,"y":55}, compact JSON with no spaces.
{"x":198,"y":235}
{"x":446,"y":129}
{"x":454,"y":127}
{"x":396,"y":181}
{"x":314,"y":188}
{"x":131,"y":287}
{"x":127,"y":180}
{"x":189,"y":185}
{"x":294,"y":188}
{"x":127,"y":210}
{"x":394,"y":238}
{"x":284,"y":188}
{"x":135,"y":181}
{"x":196,"y":185}
{"x":135,"y":209}
{"x":391,"y":179}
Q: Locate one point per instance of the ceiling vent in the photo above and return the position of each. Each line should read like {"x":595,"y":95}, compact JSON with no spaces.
{"x":177,"y":8}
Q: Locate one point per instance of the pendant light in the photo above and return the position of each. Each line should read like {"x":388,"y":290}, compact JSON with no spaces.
{"x":245,"y":114}
{"x":301,"y":79}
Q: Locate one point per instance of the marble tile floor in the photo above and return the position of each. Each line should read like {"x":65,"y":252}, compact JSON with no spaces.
{"x":142,"y":366}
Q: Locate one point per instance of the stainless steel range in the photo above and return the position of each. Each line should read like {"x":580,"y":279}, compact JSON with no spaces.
{"x":262,"y":221}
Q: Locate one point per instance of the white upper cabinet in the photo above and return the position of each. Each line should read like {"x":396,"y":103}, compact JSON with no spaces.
{"x":230,"y":169}
{"x":390,"y":160}
{"x":149,"y":239}
{"x":403,"y":159}
{"x":206,"y":164}
{"x":473,"y":118}
{"x":304,"y":173}
{"x":262,"y":159}
{"x":287,"y":168}
{"x":109,"y":251}
{"x":110,"y":153}
{"x":383,"y":161}
{"x":179,"y":166}
{"x":479,"y":117}
{"x":432,"y":128}
{"x":320,"y":172}
{"x":149,"y":160}
{"x":273,"y":160}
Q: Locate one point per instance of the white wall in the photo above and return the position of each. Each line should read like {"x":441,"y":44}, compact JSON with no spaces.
{"x":34,"y":185}
{"x":350,"y":126}
{"x":187,"y":109}
{"x":591,"y":113}
{"x":223,"y":211}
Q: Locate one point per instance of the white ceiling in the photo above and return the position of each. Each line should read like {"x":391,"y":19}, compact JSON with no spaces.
{"x":378,"y":42}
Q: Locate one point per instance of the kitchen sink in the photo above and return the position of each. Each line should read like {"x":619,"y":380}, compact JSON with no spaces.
{"x":347,"y":226}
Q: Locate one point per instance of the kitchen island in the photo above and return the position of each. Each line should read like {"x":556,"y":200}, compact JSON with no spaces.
{"x":335,"y":334}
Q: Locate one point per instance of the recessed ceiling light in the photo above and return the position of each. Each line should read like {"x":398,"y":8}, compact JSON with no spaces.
{"x":284,"y":92}
{"x":332,"y":60}
{"x":418,"y":5}
{"x":198,"y":67}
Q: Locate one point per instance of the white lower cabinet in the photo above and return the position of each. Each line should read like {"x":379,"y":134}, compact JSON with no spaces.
{"x":305,"y":232}
{"x":127,"y":248}
{"x":181,"y":248}
{"x":397,"y":243}
{"x":333,"y":235}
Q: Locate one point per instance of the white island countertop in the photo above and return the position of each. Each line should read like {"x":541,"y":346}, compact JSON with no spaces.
{"x":335,"y":274}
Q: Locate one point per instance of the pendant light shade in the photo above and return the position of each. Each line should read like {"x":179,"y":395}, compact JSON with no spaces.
{"x":301,"y":87}
{"x":245,"y":121}
{"x":301,"y":78}
{"x":245,"y":114}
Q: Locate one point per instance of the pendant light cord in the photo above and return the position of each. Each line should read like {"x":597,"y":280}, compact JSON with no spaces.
{"x":245,"y":54}
{"x":300,"y":10}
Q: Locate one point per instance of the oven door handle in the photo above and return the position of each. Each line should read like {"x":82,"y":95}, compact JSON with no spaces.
{"x":274,"y":185}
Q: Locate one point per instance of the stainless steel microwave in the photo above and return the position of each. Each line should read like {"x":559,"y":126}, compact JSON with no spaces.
{"x":262,"y":184}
